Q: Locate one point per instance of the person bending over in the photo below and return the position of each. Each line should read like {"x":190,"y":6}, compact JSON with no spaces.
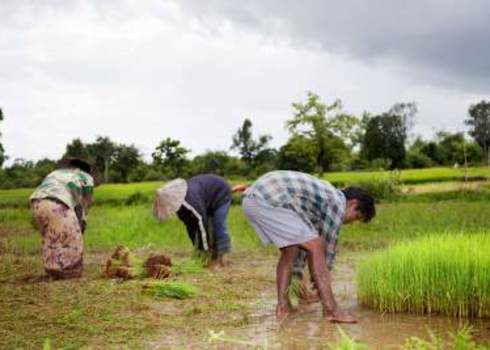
{"x":301,"y":215}
{"x":201,"y":203}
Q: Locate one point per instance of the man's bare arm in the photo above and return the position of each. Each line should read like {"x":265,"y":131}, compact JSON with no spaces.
{"x":322,"y":279}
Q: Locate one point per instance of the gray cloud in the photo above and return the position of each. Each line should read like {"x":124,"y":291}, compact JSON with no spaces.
{"x":142,"y":70}
{"x":448,"y":40}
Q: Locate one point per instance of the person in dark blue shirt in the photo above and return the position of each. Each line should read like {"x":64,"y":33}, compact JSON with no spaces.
{"x":201,"y":203}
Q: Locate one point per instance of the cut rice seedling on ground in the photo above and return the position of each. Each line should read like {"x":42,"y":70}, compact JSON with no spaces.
{"x":171,"y":289}
{"x":446,"y":274}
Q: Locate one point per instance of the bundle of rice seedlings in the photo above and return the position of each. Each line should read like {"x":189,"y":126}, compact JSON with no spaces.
{"x":123,"y":264}
{"x":171,"y":289}
{"x":158,"y":266}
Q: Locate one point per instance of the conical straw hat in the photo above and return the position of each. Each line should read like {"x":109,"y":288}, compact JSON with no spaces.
{"x":169,"y":198}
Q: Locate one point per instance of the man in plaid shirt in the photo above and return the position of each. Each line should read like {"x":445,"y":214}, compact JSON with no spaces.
{"x":302,"y":215}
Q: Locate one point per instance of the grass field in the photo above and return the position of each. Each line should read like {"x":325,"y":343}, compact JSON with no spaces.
{"x":117,"y":193}
{"x":94,"y":312}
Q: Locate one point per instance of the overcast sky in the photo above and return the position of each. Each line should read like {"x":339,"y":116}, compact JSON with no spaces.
{"x":143,"y":70}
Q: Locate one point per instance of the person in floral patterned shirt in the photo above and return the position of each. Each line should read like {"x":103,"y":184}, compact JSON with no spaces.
{"x":59,"y":206}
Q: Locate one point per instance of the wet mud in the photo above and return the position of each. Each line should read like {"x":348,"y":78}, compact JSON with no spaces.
{"x":305,"y":329}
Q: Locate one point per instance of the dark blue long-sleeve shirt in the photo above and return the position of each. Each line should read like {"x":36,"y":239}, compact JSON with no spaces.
{"x":205,"y":193}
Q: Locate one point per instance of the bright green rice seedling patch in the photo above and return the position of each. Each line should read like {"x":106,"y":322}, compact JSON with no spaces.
{"x":171,"y":289}
{"x":447,"y":274}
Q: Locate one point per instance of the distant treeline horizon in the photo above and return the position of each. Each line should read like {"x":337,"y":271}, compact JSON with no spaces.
{"x":322,"y":137}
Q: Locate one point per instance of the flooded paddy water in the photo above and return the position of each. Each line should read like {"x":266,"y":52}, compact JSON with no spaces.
{"x":306,"y":329}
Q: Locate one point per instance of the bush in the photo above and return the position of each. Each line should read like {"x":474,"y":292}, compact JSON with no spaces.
{"x":137,"y":198}
{"x":416,"y":160}
{"x":382,"y":188}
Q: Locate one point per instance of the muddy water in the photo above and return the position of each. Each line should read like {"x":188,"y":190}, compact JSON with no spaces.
{"x":306,"y":329}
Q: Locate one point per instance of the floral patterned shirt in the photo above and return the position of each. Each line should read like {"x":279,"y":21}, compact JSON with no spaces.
{"x":71,"y":186}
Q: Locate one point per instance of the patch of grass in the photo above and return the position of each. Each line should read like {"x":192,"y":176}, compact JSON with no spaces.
{"x":405,"y":221}
{"x":136,"y":228}
{"x":71,"y":314}
{"x":186,"y":267}
{"x":446,"y":274}
{"x":410,"y":176}
{"x":142,"y":192}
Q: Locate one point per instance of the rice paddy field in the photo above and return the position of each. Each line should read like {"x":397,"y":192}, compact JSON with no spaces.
{"x":416,"y":274}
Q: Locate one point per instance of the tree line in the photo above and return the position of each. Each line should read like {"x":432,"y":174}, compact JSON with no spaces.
{"x":322,"y":137}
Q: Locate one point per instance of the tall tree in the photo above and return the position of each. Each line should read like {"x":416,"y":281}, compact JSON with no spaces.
{"x":298,"y":153}
{"x":126,"y":159}
{"x":386,"y":134}
{"x":77,"y":149}
{"x":215,"y":162}
{"x":170,"y":155}
{"x":253,"y":152}
{"x":479,"y":122}
{"x":3,"y":157}
{"x":103,"y":151}
{"x":325,"y":125}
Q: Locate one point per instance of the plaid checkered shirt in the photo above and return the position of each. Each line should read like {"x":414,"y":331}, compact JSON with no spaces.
{"x":320,"y":205}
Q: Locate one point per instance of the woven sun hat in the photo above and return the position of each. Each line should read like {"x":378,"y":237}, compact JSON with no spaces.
{"x":169,"y":198}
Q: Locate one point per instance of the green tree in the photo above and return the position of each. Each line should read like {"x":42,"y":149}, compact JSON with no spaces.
{"x":299,"y":153}
{"x":3,"y":157}
{"x":452,"y":148}
{"x":253,"y":152}
{"x":126,"y":160}
{"x":216,"y":162}
{"x":325,"y":125}
{"x":102,"y":152}
{"x":386,"y":135}
{"x":416,"y":156}
{"x":479,"y":123}
{"x":170,"y":156}
{"x":77,"y":149}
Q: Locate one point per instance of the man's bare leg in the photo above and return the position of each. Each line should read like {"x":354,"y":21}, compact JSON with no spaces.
{"x":283,"y":277}
{"x":217,"y":262}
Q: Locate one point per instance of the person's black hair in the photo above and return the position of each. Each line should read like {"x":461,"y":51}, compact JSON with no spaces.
{"x":366,"y":203}
{"x":71,"y":162}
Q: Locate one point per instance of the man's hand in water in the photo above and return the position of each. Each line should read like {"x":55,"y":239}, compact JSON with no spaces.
{"x":340,"y":316}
